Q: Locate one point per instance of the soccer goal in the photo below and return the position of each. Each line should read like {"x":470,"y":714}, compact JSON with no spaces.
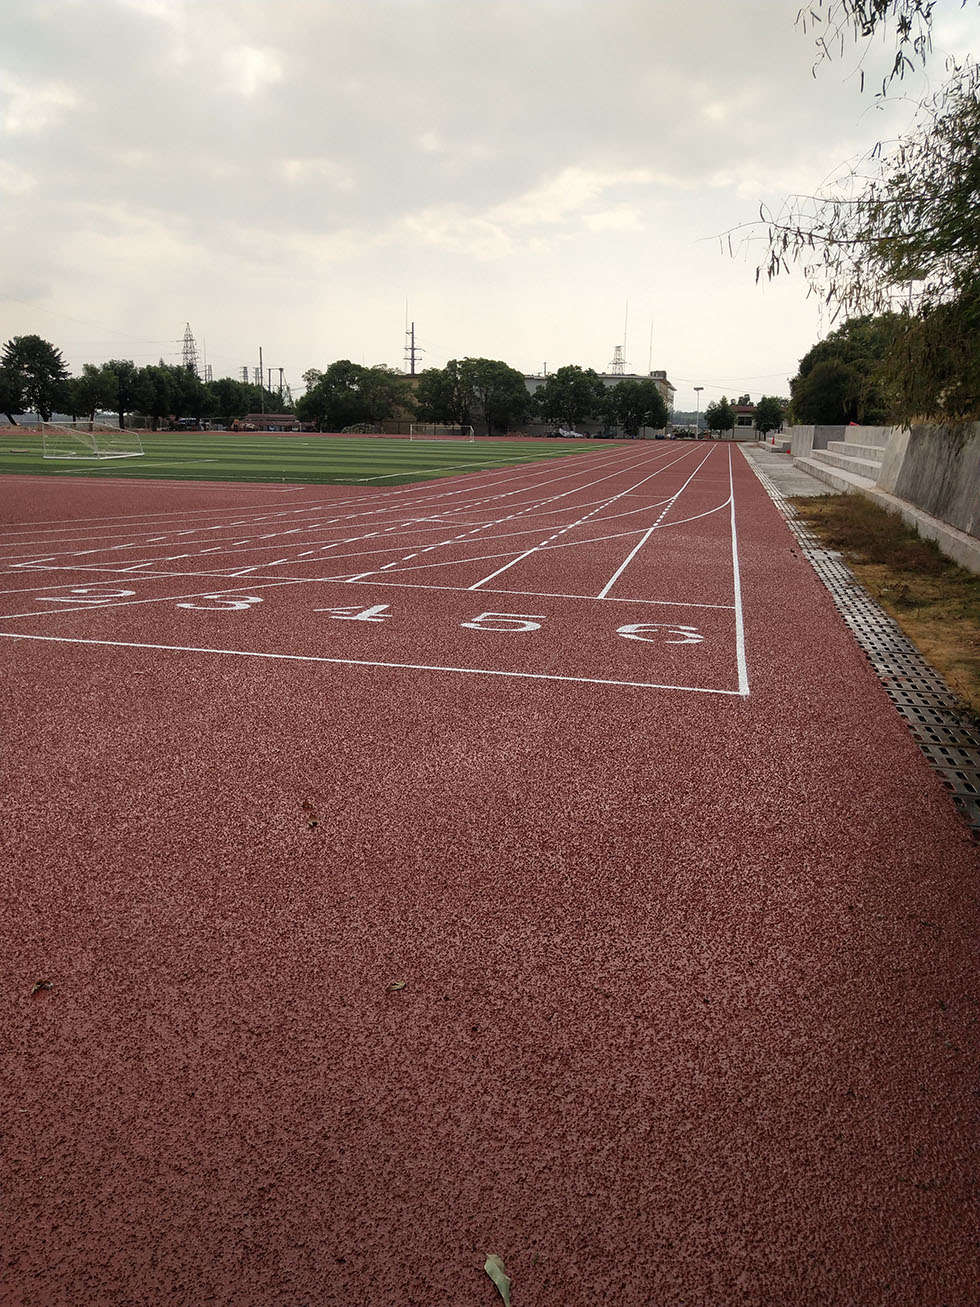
{"x":433,"y":431}
{"x":88,"y":440}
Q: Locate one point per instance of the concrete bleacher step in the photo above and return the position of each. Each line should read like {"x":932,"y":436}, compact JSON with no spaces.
{"x":872,"y":452}
{"x":839,"y":478}
{"x":863,"y":467}
{"x":871,"y":436}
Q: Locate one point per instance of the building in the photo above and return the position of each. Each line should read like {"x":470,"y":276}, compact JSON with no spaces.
{"x":535,"y":381}
{"x":744,"y":414}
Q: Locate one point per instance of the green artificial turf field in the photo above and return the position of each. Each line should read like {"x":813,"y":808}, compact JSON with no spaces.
{"x":301,"y":458}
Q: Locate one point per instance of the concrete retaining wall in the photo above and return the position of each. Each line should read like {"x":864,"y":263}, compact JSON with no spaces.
{"x":938,"y":471}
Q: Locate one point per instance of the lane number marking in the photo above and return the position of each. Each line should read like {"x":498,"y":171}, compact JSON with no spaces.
{"x":684,"y":634}
{"x":506,"y":622}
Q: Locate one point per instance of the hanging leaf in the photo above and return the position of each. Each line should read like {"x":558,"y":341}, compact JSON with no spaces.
{"x":494,"y":1267}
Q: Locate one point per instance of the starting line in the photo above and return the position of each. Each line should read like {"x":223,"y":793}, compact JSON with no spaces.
{"x":433,"y":628}
{"x":366,"y":662}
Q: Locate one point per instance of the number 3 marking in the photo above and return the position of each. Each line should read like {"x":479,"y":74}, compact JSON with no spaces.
{"x":223,"y":603}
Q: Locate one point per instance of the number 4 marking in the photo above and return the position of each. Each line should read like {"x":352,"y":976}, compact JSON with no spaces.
{"x":506,"y":622}
{"x":376,"y":613}
{"x":687,"y":634}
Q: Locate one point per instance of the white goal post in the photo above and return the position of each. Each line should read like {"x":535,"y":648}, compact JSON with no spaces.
{"x":94,"y":440}
{"x":438,"y":431}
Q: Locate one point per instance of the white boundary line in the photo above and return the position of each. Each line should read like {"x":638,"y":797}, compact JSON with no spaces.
{"x":364,"y":662}
{"x":743,"y":671}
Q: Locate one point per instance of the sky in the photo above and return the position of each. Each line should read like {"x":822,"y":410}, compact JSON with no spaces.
{"x":535,"y":181}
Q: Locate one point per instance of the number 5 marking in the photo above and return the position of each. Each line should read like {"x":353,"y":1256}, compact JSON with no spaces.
{"x":506,"y":622}
{"x":223,"y":603}
{"x":687,"y":634}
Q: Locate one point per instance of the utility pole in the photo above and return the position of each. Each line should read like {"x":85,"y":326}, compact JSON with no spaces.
{"x":411,"y":349}
{"x":261,"y":386}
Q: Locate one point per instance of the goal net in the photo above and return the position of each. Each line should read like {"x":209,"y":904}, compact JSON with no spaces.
{"x":433,"y":431}
{"x":88,"y":440}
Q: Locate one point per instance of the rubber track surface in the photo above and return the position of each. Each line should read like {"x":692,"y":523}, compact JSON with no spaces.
{"x":355,"y":973}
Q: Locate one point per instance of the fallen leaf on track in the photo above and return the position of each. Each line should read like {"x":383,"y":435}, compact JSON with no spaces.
{"x":41,"y":984}
{"x":494,"y":1267}
{"x":396,"y":985}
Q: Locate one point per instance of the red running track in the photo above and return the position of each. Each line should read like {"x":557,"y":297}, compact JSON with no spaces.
{"x":582,"y":755}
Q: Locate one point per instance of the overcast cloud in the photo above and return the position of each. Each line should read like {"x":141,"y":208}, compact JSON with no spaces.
{"x":289,"y":174}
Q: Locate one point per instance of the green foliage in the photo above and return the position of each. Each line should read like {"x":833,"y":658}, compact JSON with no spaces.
{"x":38,"y":370}
{"x":842,"y":378}
{"x":498,"y":392}
{"x":572,"y":395}
{"x":441,"y":395}
{"x":638,"y":403}
{"x":898,"y":233}
{"x":347,"y":393}
{"x":719,"y":415}
{"x":770,"y":413}
{"x":473,"y":388}
{"x":11,"y":394}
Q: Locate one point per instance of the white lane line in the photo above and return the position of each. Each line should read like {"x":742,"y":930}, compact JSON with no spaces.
{"x":743,"y":670}
{"x":667,"y":507}
{"x":544,"y":544}
{"x":520,"y":512}
{"x":364,"y":662}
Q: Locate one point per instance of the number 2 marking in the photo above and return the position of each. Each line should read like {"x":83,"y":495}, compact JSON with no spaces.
{"x":85,"y":594}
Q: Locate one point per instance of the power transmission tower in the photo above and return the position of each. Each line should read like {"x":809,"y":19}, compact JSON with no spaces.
{"x":189,"y":357}
{"x":245,"y":373}
{"x":617,"y":367}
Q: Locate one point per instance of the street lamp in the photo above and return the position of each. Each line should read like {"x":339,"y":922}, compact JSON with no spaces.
{"x":697,"y":416}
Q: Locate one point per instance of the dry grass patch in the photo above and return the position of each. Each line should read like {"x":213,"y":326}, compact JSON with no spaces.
{"x":935,"y":602}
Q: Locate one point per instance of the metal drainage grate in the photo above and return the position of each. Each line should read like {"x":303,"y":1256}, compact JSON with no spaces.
{"x":947,"y":737}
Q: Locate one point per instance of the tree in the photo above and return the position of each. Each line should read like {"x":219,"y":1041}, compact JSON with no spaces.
{"x":497,"y":390}
{"x":11,"y":394}
{"x":719,"y":415}
{"x":827,"y":394}
{"x":898,"y":233}
{"x":859,"y":351}
{"x":441,"y":396}
{"x":572,"y":395}
{"x":347,"y":393}
{"x":638,"y":403}
{"x":770,"y":414}
{"x":85,"y":394}
{"x":39,"y":371}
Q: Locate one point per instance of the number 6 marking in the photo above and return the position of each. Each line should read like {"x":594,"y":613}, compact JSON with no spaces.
{"x":687,"y":634}
{"x":506,"y":622}
{"x":223,"y":603}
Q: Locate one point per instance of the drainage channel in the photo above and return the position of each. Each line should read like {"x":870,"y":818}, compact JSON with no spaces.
{"x":949,"y":740}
